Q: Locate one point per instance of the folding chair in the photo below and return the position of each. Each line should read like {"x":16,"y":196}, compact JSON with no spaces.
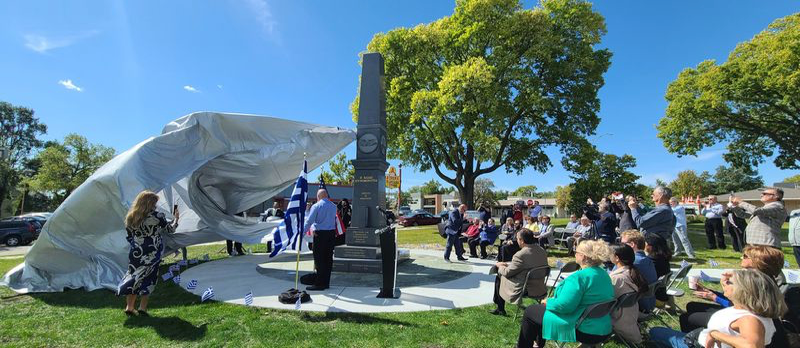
{"x":596,"y":310}
{"x":625,"y":300}
{"x":535,"y":273}
{"x":673,"y":291}
{"x":560,"y":237}
{"x":570,"y":267}
{"x":651,"y":291}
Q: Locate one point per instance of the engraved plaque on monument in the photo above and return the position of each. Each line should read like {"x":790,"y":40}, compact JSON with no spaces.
{"x":361,"y":252}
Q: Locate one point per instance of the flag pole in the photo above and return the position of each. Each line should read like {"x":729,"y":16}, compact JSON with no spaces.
{"x":299,"y":245}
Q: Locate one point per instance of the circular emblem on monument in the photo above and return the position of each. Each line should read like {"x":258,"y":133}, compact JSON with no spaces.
{"x":367,"y":143}
{"x":383,"y":144}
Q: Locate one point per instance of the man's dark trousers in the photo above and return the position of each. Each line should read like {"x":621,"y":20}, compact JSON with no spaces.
{"x":453,"y":240}
{"x":714,"y":227}
{"x":323,"y":256}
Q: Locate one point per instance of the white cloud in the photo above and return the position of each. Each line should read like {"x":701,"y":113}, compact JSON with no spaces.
{"x":263,"y":15}
{"x":191,"y":89}
{"x":69,"y":85}
{"x":707,"y":155}
{"x":219,"y":86}
{"x":42,"y":44}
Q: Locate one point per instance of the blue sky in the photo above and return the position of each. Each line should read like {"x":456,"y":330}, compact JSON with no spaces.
{"x":117,"y":72}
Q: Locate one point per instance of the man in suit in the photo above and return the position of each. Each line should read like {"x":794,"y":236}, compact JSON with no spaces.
{"x":765,"y":222}
{"x":453,"y":231}
{"x":323,"y":218}
{"x":511,"y":275}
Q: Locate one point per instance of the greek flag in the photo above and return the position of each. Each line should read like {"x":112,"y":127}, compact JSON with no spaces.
{"x":167,"y":275}
{"x":248,"y":298}
{"x":183,"y":263}
{"x":297,"y":304}
{"x":192,"y":284}
{"x":174,"y":268}
{"x":705,"y":277}
{"x":559,"y":264}
{"x":684,"y":264}
{"x":786,"y":264}
{"x":207,"y":295}
{"x":289,"y":234}
{"x":793,"y":277}
{"x":713,"y":263}
{"x":177,"y":279}
{"x":192,"y":261}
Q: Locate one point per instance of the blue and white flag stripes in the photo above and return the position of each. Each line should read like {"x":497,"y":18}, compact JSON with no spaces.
{"x":297,"y":304}
{"x":183,"y":263}
{"x":207,"y":295}
{"x":705,"y":277}
{"x":192,"y":261}
{"x":177,"y":279}
{"x":559,"y":264}
{"x":192,"y":284}
{"x":167,"y":275}
{"x":174,"y":268}
{"x":786,"y":264}
{"x":684,"y":264}
{"x":289,"y":234}
{"x":713,"y":263}
{"x":793,"y":277}
{"x":248,"y":298}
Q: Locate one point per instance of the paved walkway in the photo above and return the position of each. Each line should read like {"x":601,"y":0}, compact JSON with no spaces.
{"x":14,"y":251}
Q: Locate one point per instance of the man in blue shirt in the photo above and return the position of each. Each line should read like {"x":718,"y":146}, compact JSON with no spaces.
{"x":535,"y":210}
{"x":643,"y":264}
{"x":322,"y":218}
{"x":659,"y":221}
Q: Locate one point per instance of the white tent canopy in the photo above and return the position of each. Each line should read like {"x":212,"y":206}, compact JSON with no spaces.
{"x":212,"y":165}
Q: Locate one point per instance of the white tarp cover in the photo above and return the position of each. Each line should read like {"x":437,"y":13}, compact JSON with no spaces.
{"x":212,"y":165}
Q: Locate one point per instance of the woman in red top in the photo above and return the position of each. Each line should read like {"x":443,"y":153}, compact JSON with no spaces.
{"x":473,"y":233}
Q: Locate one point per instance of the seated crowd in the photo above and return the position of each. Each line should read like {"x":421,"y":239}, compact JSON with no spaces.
{"x":616,"y":281}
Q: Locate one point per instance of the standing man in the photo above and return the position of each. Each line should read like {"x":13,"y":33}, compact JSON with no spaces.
{"x":453,"y":230}
{"x":794,"y":233}
{"x":322,"y":218}
{"x":712,"y":210}
{"x":535,"y":210}
{"x":659,"y":221}
{"x":735,"y":227}
{"x":681,"y":235}
{"x":765,"y":222}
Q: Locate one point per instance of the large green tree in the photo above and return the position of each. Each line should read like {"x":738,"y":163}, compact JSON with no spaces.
{"x":493,"y":85}
{"x":751,"y":101}
{"x":735,"y":179}
{"x":341,"y":170}
{"x":525,"y":191}
{"x":484,"y":192}
{"x":793,"y":179}
{"x":65,"y":166}
{"x":596,"y":175}
{"x":19,"y":135}
{"x":690,"y":184}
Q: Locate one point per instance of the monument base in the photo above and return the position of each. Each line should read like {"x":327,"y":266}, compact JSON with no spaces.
{"x":358,"y":265}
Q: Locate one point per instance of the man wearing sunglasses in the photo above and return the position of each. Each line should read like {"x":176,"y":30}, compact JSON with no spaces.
{"x":765,"y":222}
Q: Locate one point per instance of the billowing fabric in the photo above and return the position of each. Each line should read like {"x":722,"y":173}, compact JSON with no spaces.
{"x":145,"y":255}
{"x":212,"y":165}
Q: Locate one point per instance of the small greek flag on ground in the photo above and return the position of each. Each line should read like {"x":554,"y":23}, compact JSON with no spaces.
{"x":174,"y":268}
{"x":713,"y":263}
{"x":684,"y":264}
{"x":248,"y":298}
{"x":786,"y":264}
{"x":207,"y":295}
{"x":206,"y":258}
{"x":192,"y":284}
{"x":192,"y":261}
{"x":167,"y":275}
{"x":289,"y":234}
{"x":559,"y":264}
{"x":297,"y":304}
{"x":177,"y":279}
{"x":705,"y":277}
{"x":793,"y":277}
{"x":183,"y":263}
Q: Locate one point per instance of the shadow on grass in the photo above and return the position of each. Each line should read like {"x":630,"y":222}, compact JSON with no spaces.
{"x":166,"y":295}
{"x":352,"y":318}
{"x":170,"y":328}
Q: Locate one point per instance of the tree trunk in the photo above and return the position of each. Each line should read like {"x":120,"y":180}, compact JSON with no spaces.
{"x":467,"y":192}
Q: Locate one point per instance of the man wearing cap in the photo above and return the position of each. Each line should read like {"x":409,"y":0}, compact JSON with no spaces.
{"x":765,"y":222}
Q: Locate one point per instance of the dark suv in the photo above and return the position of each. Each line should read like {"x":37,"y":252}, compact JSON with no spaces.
{"x":18,"y":232}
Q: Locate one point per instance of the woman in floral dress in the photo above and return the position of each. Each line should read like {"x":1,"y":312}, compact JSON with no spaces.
{"x":145,"y":226}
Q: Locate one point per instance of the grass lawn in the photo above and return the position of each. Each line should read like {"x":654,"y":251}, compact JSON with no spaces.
{"x":80,"y":318}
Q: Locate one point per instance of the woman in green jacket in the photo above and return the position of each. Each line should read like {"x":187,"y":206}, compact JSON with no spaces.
{"x":555,"y":318}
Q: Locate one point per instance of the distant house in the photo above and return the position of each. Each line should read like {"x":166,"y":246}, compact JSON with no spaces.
{"x":434,"y":203}
{"x":791,"y":196}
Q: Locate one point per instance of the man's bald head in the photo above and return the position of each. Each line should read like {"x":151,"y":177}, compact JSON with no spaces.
{"x":321,"y":193}
{"x":462,"y":208}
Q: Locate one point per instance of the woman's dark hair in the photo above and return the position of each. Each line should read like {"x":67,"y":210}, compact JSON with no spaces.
{"x":527,"y":236}
{"x":658,"y":248}
{"x":626,"y":256}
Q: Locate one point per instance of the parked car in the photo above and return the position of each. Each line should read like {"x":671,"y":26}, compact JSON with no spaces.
{"x":41,"y":217}
{"x":444,"y":214}
{"x":404,"y":210}
{"x":417,"y":219}
{"x":37,"y":222}
{"x":18,"y":232}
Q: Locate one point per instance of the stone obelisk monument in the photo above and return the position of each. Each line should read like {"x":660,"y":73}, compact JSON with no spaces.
{"x":362,"y":252}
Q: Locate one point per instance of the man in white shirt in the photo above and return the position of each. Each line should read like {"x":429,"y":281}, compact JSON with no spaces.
{"x":712,"y":210}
